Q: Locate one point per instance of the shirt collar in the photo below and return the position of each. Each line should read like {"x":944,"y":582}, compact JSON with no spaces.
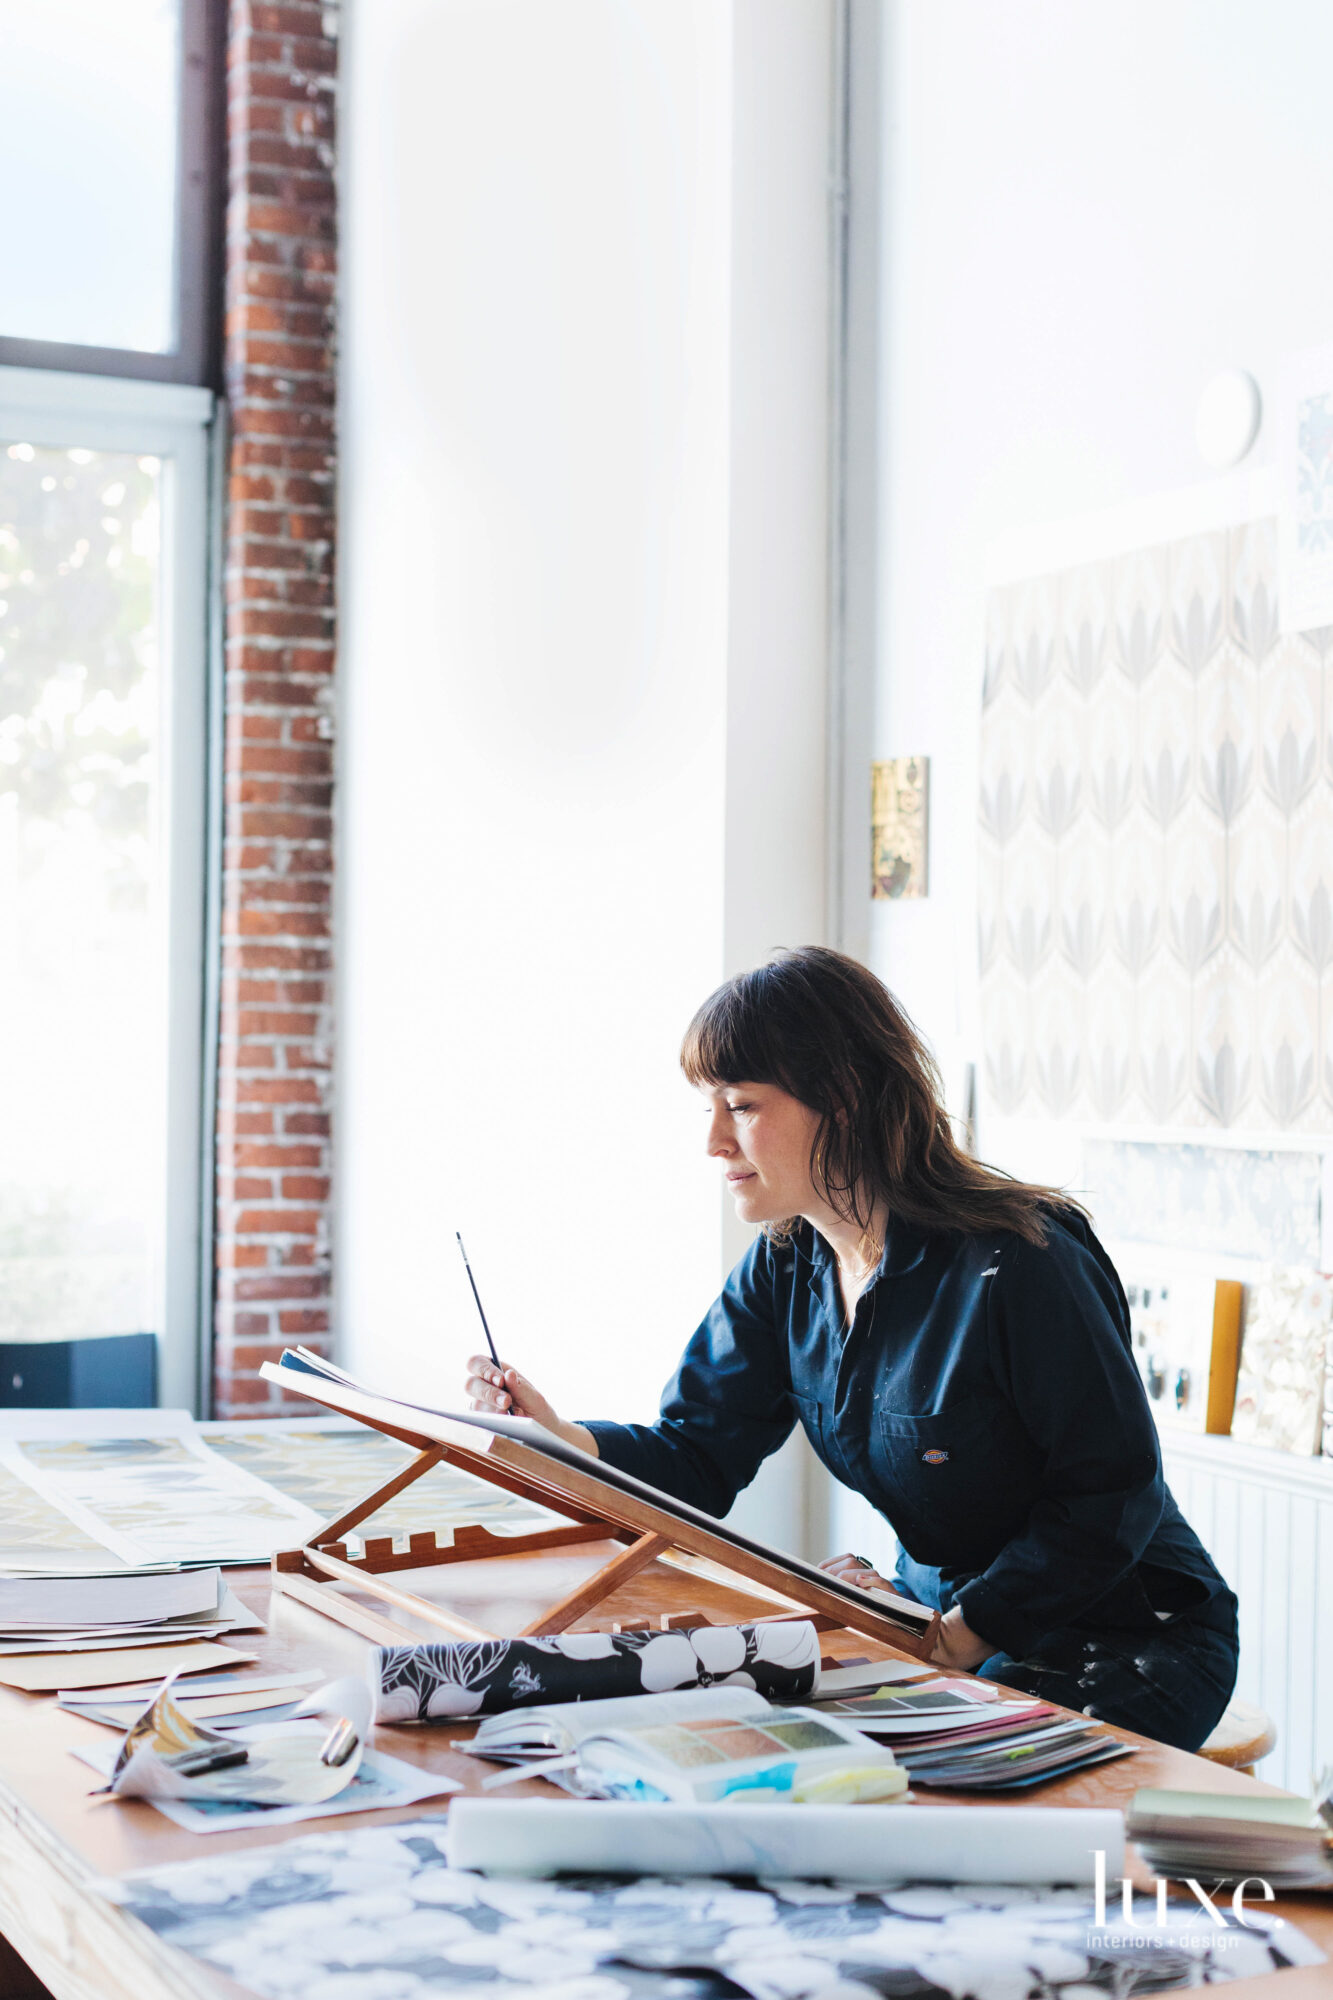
{"x":904,"y":1247}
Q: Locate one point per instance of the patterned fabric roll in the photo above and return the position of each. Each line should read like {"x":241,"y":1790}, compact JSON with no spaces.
{"x":483,"y":1676}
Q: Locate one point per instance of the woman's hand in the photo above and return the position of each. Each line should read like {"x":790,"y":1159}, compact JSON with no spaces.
{"x":958,"y":1646}
{"x":503,"y":1392}
{"x":854,"y":1569}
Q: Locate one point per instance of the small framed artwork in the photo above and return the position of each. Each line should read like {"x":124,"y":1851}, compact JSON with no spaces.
{"x":899,"y":828}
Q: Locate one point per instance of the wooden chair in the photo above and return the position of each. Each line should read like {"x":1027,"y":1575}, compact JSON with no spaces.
{"x":1244,"y":1735}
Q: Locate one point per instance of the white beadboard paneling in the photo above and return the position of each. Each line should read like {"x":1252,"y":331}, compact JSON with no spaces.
{"x":1266,"y":1518}
{"x":1301,"y":1691}
{"x":1321,"y":1663}
{"x":1272,"y":1591}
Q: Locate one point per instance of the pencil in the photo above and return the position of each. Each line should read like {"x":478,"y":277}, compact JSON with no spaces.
{"x":477,"y":1296}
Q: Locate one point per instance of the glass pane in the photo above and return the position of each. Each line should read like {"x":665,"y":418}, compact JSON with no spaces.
{"x":81,"y":922}
{"x":88,"y":116}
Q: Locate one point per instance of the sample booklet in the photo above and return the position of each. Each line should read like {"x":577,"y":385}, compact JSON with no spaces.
{"x":698,"y":1745}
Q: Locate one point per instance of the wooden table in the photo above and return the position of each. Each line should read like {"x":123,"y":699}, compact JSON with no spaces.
{"x":54,"y":1840}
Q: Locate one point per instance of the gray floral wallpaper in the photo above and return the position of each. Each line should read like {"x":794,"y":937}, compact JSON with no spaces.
{"x":1156,"y":887}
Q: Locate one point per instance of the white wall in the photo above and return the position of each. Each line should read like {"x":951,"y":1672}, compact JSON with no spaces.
{"x":1087,"y":211}
{"x":1075,"y":215}
{"x":581,"y":677}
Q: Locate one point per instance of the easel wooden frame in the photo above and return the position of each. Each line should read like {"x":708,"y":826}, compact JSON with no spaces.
{"x":595,"y":1510}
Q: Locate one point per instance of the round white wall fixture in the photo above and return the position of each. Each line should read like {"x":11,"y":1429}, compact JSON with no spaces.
{"x":1226,"y":422}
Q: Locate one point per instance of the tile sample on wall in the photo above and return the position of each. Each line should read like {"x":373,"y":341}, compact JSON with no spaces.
{"x":1185,"y":1329}
{"x":899,"y":828}
{"x":1283,"y":1359}
{"x":1211,"y":1198}
{"x":1156,"y":871}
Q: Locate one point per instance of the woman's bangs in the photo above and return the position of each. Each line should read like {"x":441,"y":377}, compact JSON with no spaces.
{"x":723,"y":1043}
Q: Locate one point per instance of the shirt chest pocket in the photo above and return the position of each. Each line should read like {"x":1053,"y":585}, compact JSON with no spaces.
{"x":949,"y":1476}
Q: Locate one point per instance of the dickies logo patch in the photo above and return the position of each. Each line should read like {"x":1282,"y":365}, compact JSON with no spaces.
{"x":935,"y":1457}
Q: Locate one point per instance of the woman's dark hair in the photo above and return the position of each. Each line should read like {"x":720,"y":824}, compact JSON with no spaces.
{"x":829,"y":1033}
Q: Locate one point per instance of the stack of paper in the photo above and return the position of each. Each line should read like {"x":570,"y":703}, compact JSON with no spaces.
{"x":1286,"y":1841}
{"x":77,"y":1613}
{"x":88,"y":1630}
{"x":964,"y":1734}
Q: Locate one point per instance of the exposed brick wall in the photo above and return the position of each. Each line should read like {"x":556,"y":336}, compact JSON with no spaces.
{"x":273,"y":1082}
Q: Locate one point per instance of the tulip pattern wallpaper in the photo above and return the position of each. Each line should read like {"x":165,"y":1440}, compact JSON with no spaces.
{"x":1156,"y":868}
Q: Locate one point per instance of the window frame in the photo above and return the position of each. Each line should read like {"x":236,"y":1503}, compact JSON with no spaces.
{"x":200,"y":179}
{"x":176,"y":423}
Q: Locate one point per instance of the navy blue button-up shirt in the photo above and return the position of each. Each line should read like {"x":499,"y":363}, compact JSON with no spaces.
{"x":984,"y":1399}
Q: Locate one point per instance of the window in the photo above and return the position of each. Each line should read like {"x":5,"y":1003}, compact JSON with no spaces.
{"x":109,"y":150}
{"x":103,"y":726}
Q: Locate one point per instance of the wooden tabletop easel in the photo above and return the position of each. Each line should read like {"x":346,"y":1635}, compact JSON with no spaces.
{"x":595,"y":1508}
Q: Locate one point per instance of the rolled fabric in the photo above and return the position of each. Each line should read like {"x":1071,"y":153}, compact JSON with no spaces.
{"x":866,"y":1843}
{"x":484,"y":1676}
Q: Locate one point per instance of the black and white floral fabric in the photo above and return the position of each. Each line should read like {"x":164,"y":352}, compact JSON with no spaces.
{"x":484,"y":1676}
{"x":379,"y":1915}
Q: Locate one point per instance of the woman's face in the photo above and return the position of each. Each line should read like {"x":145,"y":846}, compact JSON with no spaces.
{"x":762,"y":1138}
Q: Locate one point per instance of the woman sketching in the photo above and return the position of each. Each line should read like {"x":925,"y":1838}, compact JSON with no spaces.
{"x":955,"y":1345}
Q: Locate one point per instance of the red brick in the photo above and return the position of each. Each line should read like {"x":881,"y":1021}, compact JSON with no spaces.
{"x":305,"y":1187}
{"x":304,"y":1321}
{"x":276,"y":957}
{"x":294,"y":17}
{"x":249,"y":1187}
{"x":305,"y":1055}
{"x":281,"y":923}
{"x":299,"y":357}
{"x":277,"y":1285}
{"x":307,"y":1124}
{"x":276,"y":1023}
{"x":252,"y":1124}
{"x":277,"y":1222}
{"x":236,"y":1391}
{"x":289,"y":891}
{"x":297,"y":763}
{"x":240,"y":1256}
{"x":279,"y":1090}
{"x":279,"y":1156}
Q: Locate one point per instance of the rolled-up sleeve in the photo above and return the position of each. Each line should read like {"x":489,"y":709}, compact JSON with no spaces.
{"x":1060,"y":1350}
{"x":727,"y":1407}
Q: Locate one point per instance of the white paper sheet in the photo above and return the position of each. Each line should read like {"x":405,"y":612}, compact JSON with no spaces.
{"x":862,"y":1843}
{"x":174,"y":1499}
{"x":380,"y":1782}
